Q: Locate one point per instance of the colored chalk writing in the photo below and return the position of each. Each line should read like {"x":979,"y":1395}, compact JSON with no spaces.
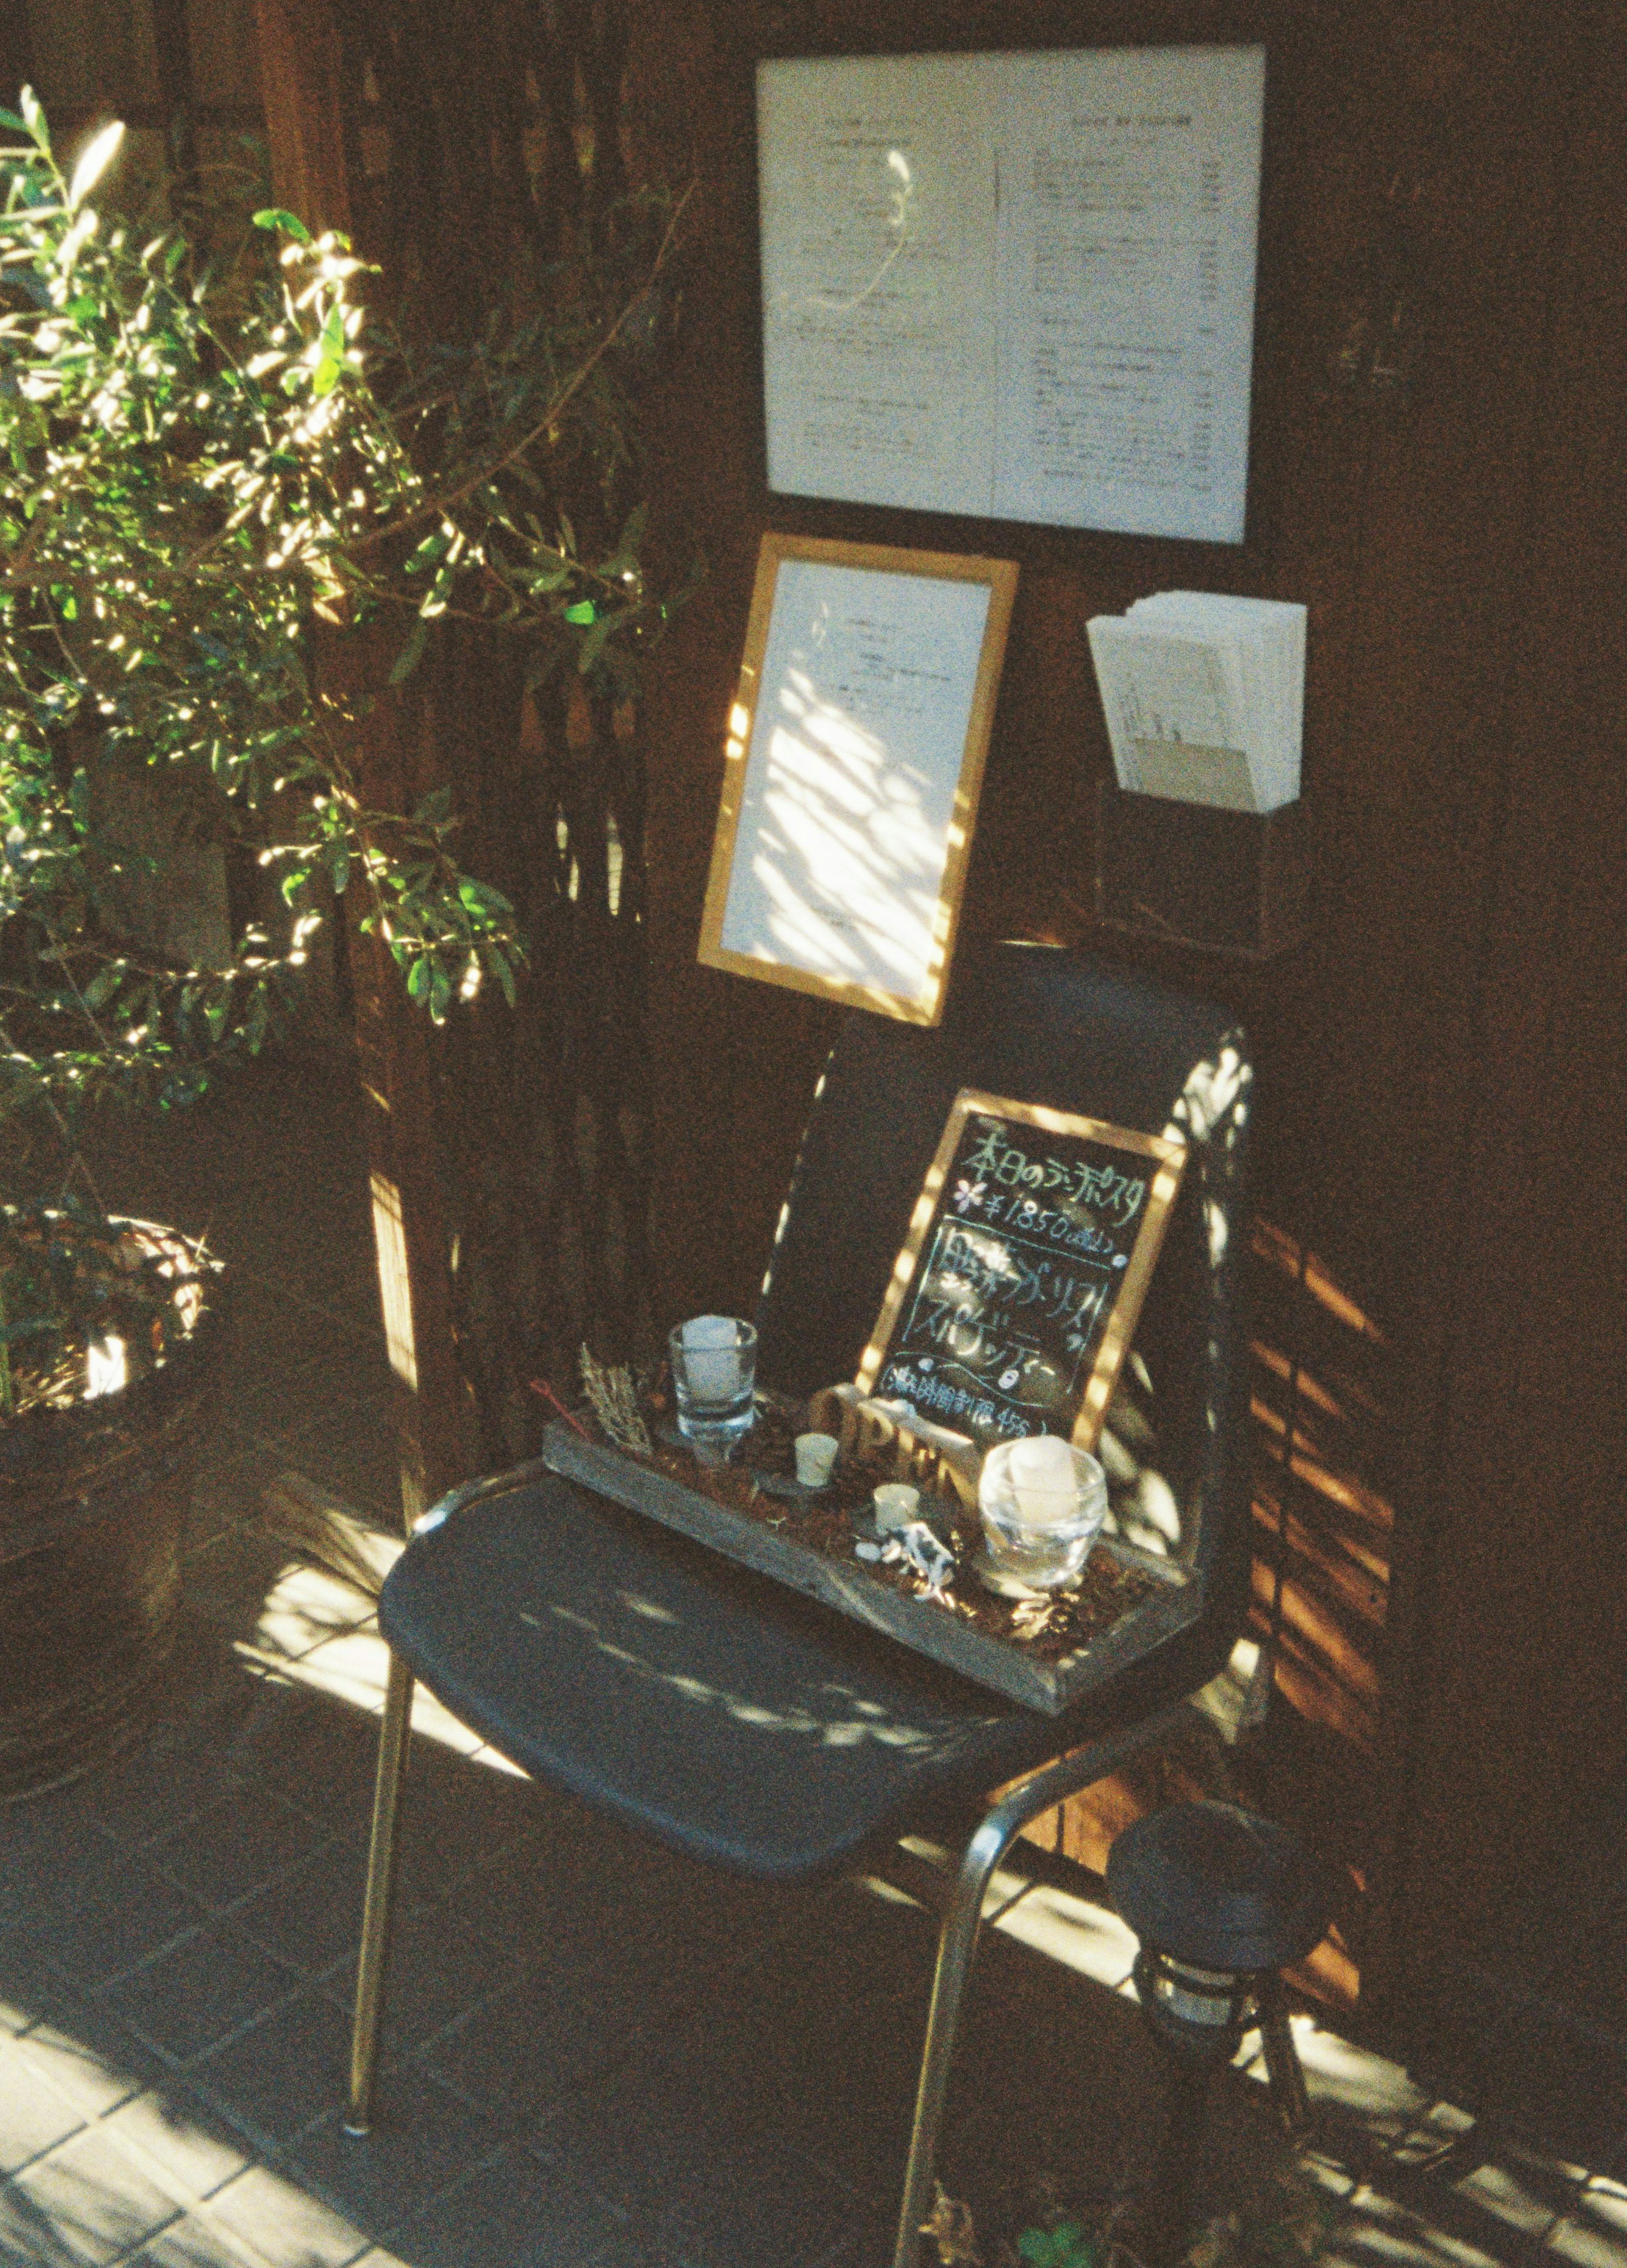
{"x":1028,"y":1258}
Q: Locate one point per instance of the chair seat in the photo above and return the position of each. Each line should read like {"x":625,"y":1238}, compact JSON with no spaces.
{"x":713,"y":1708}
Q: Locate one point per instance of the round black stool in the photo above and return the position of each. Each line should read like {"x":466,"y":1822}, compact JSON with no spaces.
{"x":1219,"y":1898}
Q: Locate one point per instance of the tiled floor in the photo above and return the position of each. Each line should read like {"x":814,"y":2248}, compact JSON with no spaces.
{"x":597,"y":2053}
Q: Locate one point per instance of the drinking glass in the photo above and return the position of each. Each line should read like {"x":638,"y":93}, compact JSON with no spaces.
{"x":714,"y":1360}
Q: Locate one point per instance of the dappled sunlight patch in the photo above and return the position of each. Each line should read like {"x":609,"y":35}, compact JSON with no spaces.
{"x":304,"y":1607}
{"x":1336,"y":2071}
{"x":354,"y":1668}
{"x":1083,"y":1937}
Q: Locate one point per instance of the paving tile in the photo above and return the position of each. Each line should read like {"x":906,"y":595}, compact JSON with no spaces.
{"x":234,"y":1846}
{"x":286,"y":2226}
{"x":189,"y":2243}
{"x":1376,"y":2228}
{"x":153,"y":1789}
{"x":761,"y":2201}
{"x":1499,"y":2191}
{"x":468,"y":1830}
{"x":281,"y":2073}
{"x":1605,"y":2200}
{"x":173,"y":2128}
{"x":423,"y":2139}
{"x":1377,"y":2091}
{"x":86,"y":2205}
{"x":706,"y":2089}
{"x":46,"y":1849}
{"x":1443,"y":2132}
{"x":515,"y":2212}
{"x":28,"y":1982}
{"x":353,"y":1669}
{"x":124,"y":1912}
{"x":303,"y":1604}
{"x":229,"y":1580}
{"x":34,"y":2117}
{"x":438,"y":1970}
{"x":1069,"y":1929}
{"x":201,"y":1992}
{"x":1588,"y":2243}
{"x":302,"y":1364}
{"x":311,"y":1918}
{"x":82,"y":2049}
{"x":319,"y":1756}
{"x":675,"y":1929}
{"x":524,"y":2049}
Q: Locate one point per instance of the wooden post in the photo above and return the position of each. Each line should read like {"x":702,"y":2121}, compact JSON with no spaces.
{"x":300,"y":75}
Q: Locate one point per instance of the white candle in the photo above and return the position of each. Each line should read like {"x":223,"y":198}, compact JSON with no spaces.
{"x":1044,"y":1481}
{"x":816,"y":1453}
{"x":896,"y":1505}
{"x":711,"y":1357}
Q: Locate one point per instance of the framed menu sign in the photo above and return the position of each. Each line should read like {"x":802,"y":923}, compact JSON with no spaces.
{"x":852,"y":770}
{"x":1028,"y":1255}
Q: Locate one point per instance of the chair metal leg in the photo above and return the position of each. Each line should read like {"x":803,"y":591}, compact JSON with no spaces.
{"x":957,"y":1943}
{"x":394,"y":1735}
{"x":1013,"y":1806}
{"x":1283,"y":2066}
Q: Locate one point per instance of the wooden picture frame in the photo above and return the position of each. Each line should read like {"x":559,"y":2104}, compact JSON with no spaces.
{"x":1082,"y":1262}
{"x":852,"y":770}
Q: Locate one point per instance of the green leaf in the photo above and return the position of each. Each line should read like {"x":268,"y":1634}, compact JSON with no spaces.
{"x":93,"y":163}
{"x":418,"y":979}
{"x":480,"y":898}
{"x":594,"y":643}
{"x":582,"y":613}
{"x":434,"y":809}
{"x":290,"y":223}
{"x":440,"y":993}
{"x":411,"y":654}
{"x":104,"y":984}
{"x":33,"y":117}
{"x":499,"y":961}
{"x":339,"y":867}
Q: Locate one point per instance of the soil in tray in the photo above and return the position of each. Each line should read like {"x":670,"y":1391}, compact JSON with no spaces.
{"x":1047,"y":1629}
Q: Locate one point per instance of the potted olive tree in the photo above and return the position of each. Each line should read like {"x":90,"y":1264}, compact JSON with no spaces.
{"x":199,"y":454}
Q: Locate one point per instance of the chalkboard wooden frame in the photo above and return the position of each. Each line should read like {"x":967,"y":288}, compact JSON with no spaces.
{"x":1168,"y":1158}
{"x":925,"y":1003}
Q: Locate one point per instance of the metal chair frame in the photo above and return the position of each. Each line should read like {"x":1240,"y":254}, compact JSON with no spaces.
{"x":960,"y":1897}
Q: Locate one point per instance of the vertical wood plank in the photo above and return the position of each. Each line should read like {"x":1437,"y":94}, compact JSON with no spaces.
{"x":1521,"y":1699}
{"x":300,"y":64}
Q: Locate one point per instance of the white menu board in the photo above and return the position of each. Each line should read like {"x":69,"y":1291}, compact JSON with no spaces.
{"x":1020,"y":286}
{"x":852,"y":770}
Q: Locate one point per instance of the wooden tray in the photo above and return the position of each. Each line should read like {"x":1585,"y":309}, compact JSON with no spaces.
{"x":1007,"y":1667}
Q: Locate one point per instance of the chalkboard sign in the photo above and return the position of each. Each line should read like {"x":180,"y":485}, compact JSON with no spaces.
{"x":1028,"y":1254}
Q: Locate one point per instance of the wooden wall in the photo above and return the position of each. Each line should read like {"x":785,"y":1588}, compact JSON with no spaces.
{"x":1440,"y":433}
{"x":1436,"y":471}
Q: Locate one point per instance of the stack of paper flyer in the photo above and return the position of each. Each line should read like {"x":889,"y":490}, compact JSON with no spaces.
{"x":1205,"y":697}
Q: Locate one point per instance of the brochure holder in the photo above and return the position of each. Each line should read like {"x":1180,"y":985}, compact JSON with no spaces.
{"x":1222,"y":881}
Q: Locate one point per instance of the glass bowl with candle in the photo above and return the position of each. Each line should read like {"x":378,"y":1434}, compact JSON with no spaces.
{"x":714,"y":1361}
{"x":1043,"y":1503}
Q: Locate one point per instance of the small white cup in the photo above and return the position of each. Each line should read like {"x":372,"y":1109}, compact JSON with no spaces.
{"x":816,"y":1453}
{"x":897,"y":1503}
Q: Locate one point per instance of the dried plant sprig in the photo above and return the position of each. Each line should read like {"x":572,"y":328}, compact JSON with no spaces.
{"x":616,"y":1404}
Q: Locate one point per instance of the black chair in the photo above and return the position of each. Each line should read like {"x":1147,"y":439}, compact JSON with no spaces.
{"x":659,"y":1683}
